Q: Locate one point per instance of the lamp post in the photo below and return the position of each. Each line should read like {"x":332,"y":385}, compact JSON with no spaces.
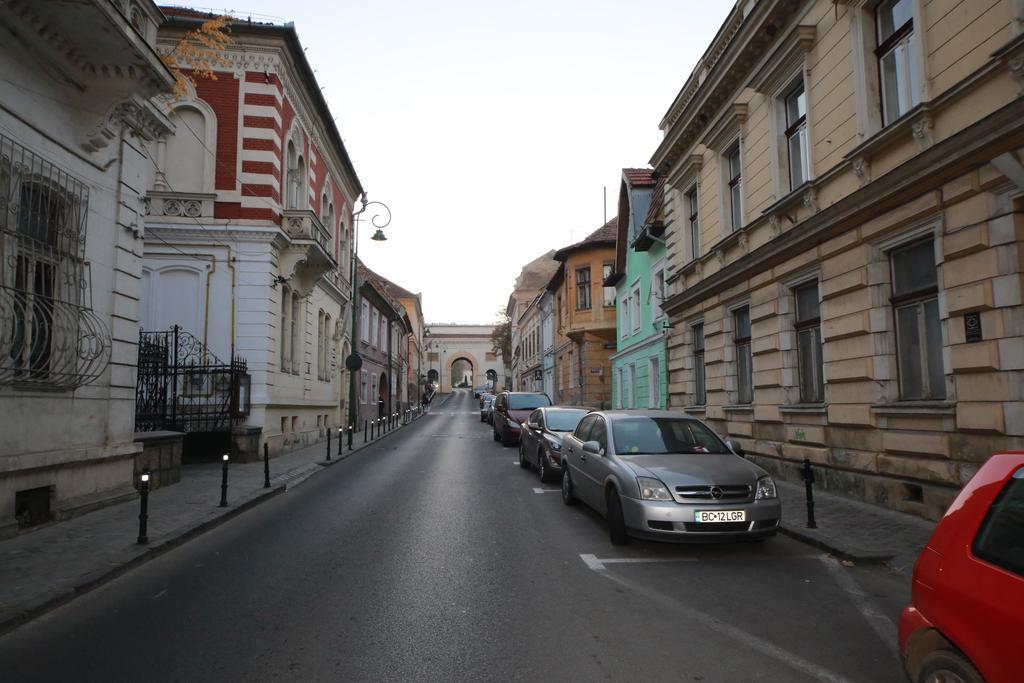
{"x":354,"y":361}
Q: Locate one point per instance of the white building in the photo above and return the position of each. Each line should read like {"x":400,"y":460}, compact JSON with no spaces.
{"x":249,"y":230}
{"x":75,"y":117}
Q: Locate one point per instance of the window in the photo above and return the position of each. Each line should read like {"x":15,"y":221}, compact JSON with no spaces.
{"x":634,"y":308}
{"x":897,"y":65}
{"x":620,"y":376}
{"x":733,"y":173}
{"x":321,"y":346}
{"x":918,"y":329}
{"x":362,"y":386}
{"x":653,"y":382}
{"x":699,"y":391}
{"x":364,"y":321}
{"x":383,"y":334}
{"x":808,"y":343}
{"x":609,"y":292}
{"x":744,"y":362}
{"x":373,"y":389}
{"x":693,"y":211}
{"x":296,"y":178}
{"x":657,"y":289}
{"x":374,"y":327}
{"x":624,"y":324}
{"x":286,"y":305}
{"x":599,"y":433}
{"x":295,"y":358}
{"x":796,"y":136}
{"x":630,"y":387}
{"x":583,"y":289}
{"x":1000,"y":540}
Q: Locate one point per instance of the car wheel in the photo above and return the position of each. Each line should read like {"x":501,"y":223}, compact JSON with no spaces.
{"x":946,"y":666}
{"x":494,"y":433}
{"x":542,"y":468}
{"x":567,"y":496}
{"x":616,"y":520}
{"x":522,"y":456}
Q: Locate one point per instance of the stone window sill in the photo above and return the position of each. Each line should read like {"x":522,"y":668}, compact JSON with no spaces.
{"x":695,"y":410}
{"x":936,"y":408}
{"x":805,"y":409}
{"x":740,"y":408}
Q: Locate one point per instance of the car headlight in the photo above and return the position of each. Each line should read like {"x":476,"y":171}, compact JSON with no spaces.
{"x":555,"y":445}
{"x":652,"y":489}
{"x":765,"y":488}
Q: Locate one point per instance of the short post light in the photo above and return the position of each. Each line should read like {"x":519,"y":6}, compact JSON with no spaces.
{"x":224,"y":482}
{"x":266,"y":465}
{"x":143,"y":508}
{"x":339,"y":440}
{"x":328,"y":430}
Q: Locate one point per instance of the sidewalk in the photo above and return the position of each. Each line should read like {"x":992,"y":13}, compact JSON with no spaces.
{"x":854,"y":530}
{"x":45,"y":568}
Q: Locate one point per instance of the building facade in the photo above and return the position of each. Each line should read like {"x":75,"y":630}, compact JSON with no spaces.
{"x":532,"y":280}
{"x":73,"y":171}
{"x":584,"y":320}
{"x":843,"y":203}
{"x":637,"y":285}
{"x":448,"y":343}
{"x":249,"y":229}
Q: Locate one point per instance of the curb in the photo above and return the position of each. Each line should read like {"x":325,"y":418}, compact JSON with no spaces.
{"x":842,"y":552}
{"x":175,"y":538}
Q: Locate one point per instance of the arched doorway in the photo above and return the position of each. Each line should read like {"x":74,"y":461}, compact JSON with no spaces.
{"x":462,"y":372}
{"x":383,"y":392}
{"x":432,"y":376}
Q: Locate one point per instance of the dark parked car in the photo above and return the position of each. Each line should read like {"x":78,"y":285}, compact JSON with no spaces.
{"x":511,"y":409}
{"x":486,"y":408}
{"x":662,"y":475}
{"x":540,"y":440}
{"x":967,"y":612}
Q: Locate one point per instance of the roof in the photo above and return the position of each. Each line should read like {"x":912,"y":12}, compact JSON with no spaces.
{"x":602,"y":237}
{"x":639,"y":177}
{"x":188,"y":18}
{"x":657,"y":202}
{"x":383,"y":286}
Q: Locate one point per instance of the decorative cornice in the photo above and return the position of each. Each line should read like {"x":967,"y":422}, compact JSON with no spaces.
{"x":785,"y":58}
{"x":139,"y":116}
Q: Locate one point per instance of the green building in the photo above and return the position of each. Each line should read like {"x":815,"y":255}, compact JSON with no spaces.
{"x":639,"y":375}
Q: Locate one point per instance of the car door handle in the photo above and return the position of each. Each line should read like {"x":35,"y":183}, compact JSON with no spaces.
{"x":583,"y":457}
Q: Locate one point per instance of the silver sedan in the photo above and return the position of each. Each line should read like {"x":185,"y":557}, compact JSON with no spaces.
{"x":663,"y":475}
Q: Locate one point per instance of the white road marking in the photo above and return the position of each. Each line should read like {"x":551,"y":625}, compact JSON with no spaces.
{"x":515,"y":462}
{"x":882,"y":625}
{"x":735,"y":634}
{"x":537,"y":490}
{"x":598,"y":563}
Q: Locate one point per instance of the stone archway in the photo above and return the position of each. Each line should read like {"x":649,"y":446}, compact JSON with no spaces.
{"x":474,"y":374}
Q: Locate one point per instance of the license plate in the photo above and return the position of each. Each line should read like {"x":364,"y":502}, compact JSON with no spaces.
{"x":720,"y":516}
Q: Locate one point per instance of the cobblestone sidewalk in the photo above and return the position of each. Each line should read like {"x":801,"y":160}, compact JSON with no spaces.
{"x":47,"y":567}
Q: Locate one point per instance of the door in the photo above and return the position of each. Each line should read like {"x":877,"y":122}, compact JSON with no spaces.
{"x":575,"y":459}
{"x":595,"y":467}
{"x":529,"y":436}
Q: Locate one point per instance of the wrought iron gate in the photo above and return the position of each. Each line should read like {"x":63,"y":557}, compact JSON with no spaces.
{"x":183,"y":387}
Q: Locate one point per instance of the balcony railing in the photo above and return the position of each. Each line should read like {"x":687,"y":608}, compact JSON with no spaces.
{"x":303,"y":225}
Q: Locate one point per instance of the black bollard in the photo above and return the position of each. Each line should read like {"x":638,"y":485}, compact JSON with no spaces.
{"x":224,"y":483}
{"x":808,"y":481}
{"x":143,"y":508}
{"x":340,"y":434}
{"x":328,"y":443}
{"x":364,"y":431}
{"x":266,"y":465}
{"x":350,"y":437}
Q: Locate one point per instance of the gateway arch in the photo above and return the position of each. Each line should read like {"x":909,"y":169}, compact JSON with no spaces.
{"x":447,"y":345}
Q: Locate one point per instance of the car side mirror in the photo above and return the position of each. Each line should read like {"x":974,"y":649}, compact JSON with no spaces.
{"x":592,"y":447}
{"x":735,"y":448}
{"x":532,"y":424}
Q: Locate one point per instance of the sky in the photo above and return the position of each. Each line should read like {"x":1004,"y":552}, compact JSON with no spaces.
{"x":491,"y":128}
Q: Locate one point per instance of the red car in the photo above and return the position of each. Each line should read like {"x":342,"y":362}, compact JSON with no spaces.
{"x":966,"y":619}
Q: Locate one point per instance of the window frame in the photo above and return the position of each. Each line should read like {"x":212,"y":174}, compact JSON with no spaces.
{"x":583,"y":289}
{"x":700,"y":390}
{"x":607,"y":269}
{"x":654,"y":382}
{"x":693,"y":210}
{"x":917,"y":298}
{"x":809,"y":324}
{"x":904,"y":36}
{"x":743,"y":345}
{"x":635,"y":307}
{"x":734,"y":197}
{"x":796,"y":129}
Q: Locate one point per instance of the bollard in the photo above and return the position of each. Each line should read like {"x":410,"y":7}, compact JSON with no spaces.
{"x":340,"y":431}
{"x":808,"y":481}
{"x":266,"y":465}
{"x":328,"y":430}
{"x":224,"y":483}
{"x":364,"y":431}
{"x":143,"y":538}
{"x":350,"y":437}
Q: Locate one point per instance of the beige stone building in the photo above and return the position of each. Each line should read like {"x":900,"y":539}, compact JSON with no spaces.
{"x":845,"y":240}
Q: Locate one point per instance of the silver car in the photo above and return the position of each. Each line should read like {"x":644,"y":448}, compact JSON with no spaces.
{"x":662,"y":475}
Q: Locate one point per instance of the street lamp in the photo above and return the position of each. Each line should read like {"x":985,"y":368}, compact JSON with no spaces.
{"x":354,"y":362}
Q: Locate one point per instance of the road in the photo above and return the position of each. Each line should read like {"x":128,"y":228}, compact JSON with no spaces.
{"x":433,"y":556}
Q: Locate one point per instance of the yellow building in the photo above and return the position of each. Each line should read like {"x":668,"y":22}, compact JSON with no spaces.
{"x":584,"y":334}
{"x":844,"y":203}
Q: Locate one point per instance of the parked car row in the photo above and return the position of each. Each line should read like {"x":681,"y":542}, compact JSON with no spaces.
{"x":651,"y":474}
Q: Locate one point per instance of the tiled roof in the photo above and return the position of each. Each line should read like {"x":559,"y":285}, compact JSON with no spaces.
{"x":639,"y":177}
{"x":385,"y":287}
{"x":605,"y":235}
{"x":657,"y":203}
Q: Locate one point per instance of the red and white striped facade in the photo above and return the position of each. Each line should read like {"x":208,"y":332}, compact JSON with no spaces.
{"x":249,"y":229}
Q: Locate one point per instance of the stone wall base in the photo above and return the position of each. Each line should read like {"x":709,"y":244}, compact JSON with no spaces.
{"x":161,"y":455}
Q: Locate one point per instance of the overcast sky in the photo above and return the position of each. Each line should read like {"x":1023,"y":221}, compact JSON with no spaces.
{"x":490,"y":128}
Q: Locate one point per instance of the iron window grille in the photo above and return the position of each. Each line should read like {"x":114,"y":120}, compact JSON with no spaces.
{"x":796,"y":136}
{"x":744,"y":360}
{"x":583,"y":289}
{"x":735,"y":187}
{"x":808,"y":343}
{"x":896,"y":66}
{"x":699,"y":388}
{"x":918,"y":327}
{"x":49,"y":335}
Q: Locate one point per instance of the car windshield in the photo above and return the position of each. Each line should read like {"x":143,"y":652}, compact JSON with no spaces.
{"x":563,"y":420}
{"x":654,"y":435}
{"x":527,"y":401}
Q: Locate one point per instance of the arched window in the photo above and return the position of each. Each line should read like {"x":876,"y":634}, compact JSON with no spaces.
{"x":321,"y":345}
{"x":295,"y":180}
{"x":185,"y":159}
{"x":286,"y":299}
{"x":295,"y":357}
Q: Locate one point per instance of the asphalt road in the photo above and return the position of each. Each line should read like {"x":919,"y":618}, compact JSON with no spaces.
{"x":433,"y":556}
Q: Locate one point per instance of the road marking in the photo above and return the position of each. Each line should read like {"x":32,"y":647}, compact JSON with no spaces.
{"x":763,"y":646}
{"x":515,"y":462}
{"x":882,"y":625}
{"x":598,"y":563}
{"x":537,"y":490}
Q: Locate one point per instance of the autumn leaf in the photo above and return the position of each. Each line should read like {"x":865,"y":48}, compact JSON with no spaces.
{"x":197,"y":54}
